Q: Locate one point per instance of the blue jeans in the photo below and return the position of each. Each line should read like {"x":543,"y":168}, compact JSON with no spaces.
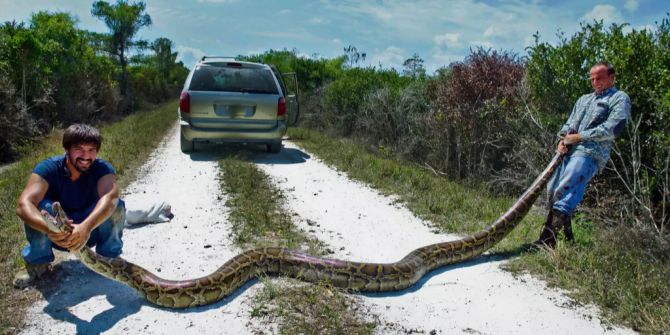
{"x":106,"y":237}
{"x":567,"y":185}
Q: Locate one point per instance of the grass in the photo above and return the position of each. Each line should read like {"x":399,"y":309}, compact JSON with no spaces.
{"x":126,"y":144}
{"x":625,"y":270}
{"x":256,"y":214}
{"x":300,"y":308}
{"x":258,"y":218}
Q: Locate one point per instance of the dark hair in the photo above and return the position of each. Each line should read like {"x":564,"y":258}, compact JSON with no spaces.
{"x":80,"y":133}
{"x":608,"y":65}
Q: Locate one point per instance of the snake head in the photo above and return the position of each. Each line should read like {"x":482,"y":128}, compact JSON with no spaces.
{"x":59,"y":222}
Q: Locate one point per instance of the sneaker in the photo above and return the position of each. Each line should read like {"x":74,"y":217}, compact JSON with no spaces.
{"x":26,"y":277}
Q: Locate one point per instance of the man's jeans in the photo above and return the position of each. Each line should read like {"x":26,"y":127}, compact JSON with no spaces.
{"x":106,"y":237}
{"x":567,"y":185}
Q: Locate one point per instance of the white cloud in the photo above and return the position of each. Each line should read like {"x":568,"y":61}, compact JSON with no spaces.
{"x":607,"y":13}
{"x":289,"y":35}
{"x":447,"y":40}
{"x":648,"y":27}
{"x":483,"y":44}
{"x":316,"y":20}
{"x":491,"y":31}
{"x":285,"y":11}
{"x":627,"y":29}
{"x":392,"y":56}
{"x":189,"y":55}
{"x":336,"y":41}
{"x":501,"y":30}
{"x":255,"y":52}
{"x":528,"y":41}
{"x":505,"y":24}
{"x":303,"y":55}
{"x":381,"y":12}
{"x":441,"y":58}
{"x":631,"y":5}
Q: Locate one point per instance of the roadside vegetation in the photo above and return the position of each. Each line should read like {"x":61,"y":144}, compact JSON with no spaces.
{"x":126,"y":144}
{"x":52,"y":73}
{"x":294,"y":307}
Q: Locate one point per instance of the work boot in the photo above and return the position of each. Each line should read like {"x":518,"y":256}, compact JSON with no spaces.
{"x":567,"y":228}
{"x":26,"y":277}
{"x":549,"y":231}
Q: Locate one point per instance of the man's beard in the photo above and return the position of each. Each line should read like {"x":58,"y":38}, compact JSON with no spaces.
{"x":77,"y":167}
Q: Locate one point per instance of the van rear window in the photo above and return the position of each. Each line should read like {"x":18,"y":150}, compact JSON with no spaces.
{"x":233,"y":79}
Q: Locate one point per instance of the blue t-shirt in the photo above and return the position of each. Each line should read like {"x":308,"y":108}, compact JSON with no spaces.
{"x":74,"y":196}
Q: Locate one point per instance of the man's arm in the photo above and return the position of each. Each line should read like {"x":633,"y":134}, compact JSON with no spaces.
{"x":615,"y":123}
{"x":576,"y":114}
{"x":109,"y":197}
{"x":27,"y":210}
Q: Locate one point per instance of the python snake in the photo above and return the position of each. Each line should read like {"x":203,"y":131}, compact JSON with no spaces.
{"x":357,"y":276}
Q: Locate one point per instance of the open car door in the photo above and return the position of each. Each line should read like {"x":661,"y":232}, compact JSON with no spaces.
{"x":292,"y":104}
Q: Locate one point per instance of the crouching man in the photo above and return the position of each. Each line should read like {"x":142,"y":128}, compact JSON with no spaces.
{"x":86,"y":188}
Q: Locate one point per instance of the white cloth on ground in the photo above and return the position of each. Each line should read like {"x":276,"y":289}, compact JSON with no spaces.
{"x":148,"y":212}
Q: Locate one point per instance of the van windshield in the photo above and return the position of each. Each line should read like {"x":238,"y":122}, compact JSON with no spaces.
{"x":233,"y":79}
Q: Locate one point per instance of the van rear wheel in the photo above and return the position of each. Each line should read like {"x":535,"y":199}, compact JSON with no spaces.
{"x":186,"y":145}
{"x":274,"y":147}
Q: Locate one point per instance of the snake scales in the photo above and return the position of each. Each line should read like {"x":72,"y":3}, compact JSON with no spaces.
{"x":345,"y":274}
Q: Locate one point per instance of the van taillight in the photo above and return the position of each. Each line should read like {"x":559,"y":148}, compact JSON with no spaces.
{"x":184,"y":102}
{"x":281,"y":107}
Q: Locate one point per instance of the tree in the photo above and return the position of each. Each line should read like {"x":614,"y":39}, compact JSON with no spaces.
{"x":21,"y":49}
{"x":124,"y":20}
{"x":165,"y":58}
{"x":413,"y":67}
{"x":352,"y":56}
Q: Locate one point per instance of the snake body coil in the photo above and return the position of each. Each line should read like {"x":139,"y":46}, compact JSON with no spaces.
{"x":358,"y":276}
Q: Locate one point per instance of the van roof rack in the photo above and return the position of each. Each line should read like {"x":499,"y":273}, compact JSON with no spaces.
{"x":224,"y":57}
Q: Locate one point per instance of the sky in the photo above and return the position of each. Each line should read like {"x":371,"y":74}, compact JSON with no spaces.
{"x":389,"y":32}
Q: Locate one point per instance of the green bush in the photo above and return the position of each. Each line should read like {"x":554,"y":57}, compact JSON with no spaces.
{"x":312,"y":73}
{"x":343,"y":98}
{"x":391,"y":120}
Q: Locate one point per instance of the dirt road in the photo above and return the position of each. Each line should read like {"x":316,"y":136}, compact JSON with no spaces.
{"x":355,"y":222}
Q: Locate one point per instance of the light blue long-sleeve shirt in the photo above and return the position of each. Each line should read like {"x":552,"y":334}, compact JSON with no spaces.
{"x":599,"y":119}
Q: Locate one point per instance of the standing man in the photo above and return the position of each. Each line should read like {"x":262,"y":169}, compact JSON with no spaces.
{"x":586,"y":140}
{"x":86,"y":188}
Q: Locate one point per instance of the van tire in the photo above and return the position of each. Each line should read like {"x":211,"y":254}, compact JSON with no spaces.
{"x":274,"y":147}
{"x":186,"y":145}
